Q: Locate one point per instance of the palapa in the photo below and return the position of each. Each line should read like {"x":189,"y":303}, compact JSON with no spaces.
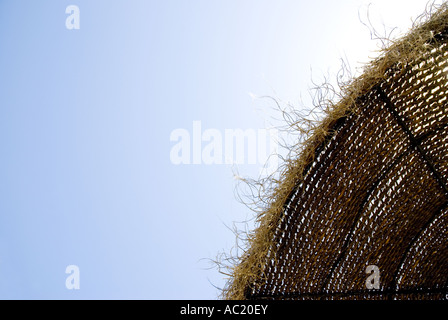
{"x":369,"y":190}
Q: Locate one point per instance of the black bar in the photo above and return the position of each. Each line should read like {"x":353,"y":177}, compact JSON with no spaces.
{"x":219,"y":309}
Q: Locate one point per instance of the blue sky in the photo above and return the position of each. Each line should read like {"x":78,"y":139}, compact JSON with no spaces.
{"x":85,"y":123}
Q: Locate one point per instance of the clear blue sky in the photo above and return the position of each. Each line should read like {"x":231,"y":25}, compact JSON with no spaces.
{"x":85,"y":121}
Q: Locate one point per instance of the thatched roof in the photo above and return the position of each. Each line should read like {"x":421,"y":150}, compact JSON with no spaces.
{"x":370,"y":187}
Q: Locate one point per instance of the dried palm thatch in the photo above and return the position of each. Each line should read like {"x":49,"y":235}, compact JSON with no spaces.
{"x":370,"y":187}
